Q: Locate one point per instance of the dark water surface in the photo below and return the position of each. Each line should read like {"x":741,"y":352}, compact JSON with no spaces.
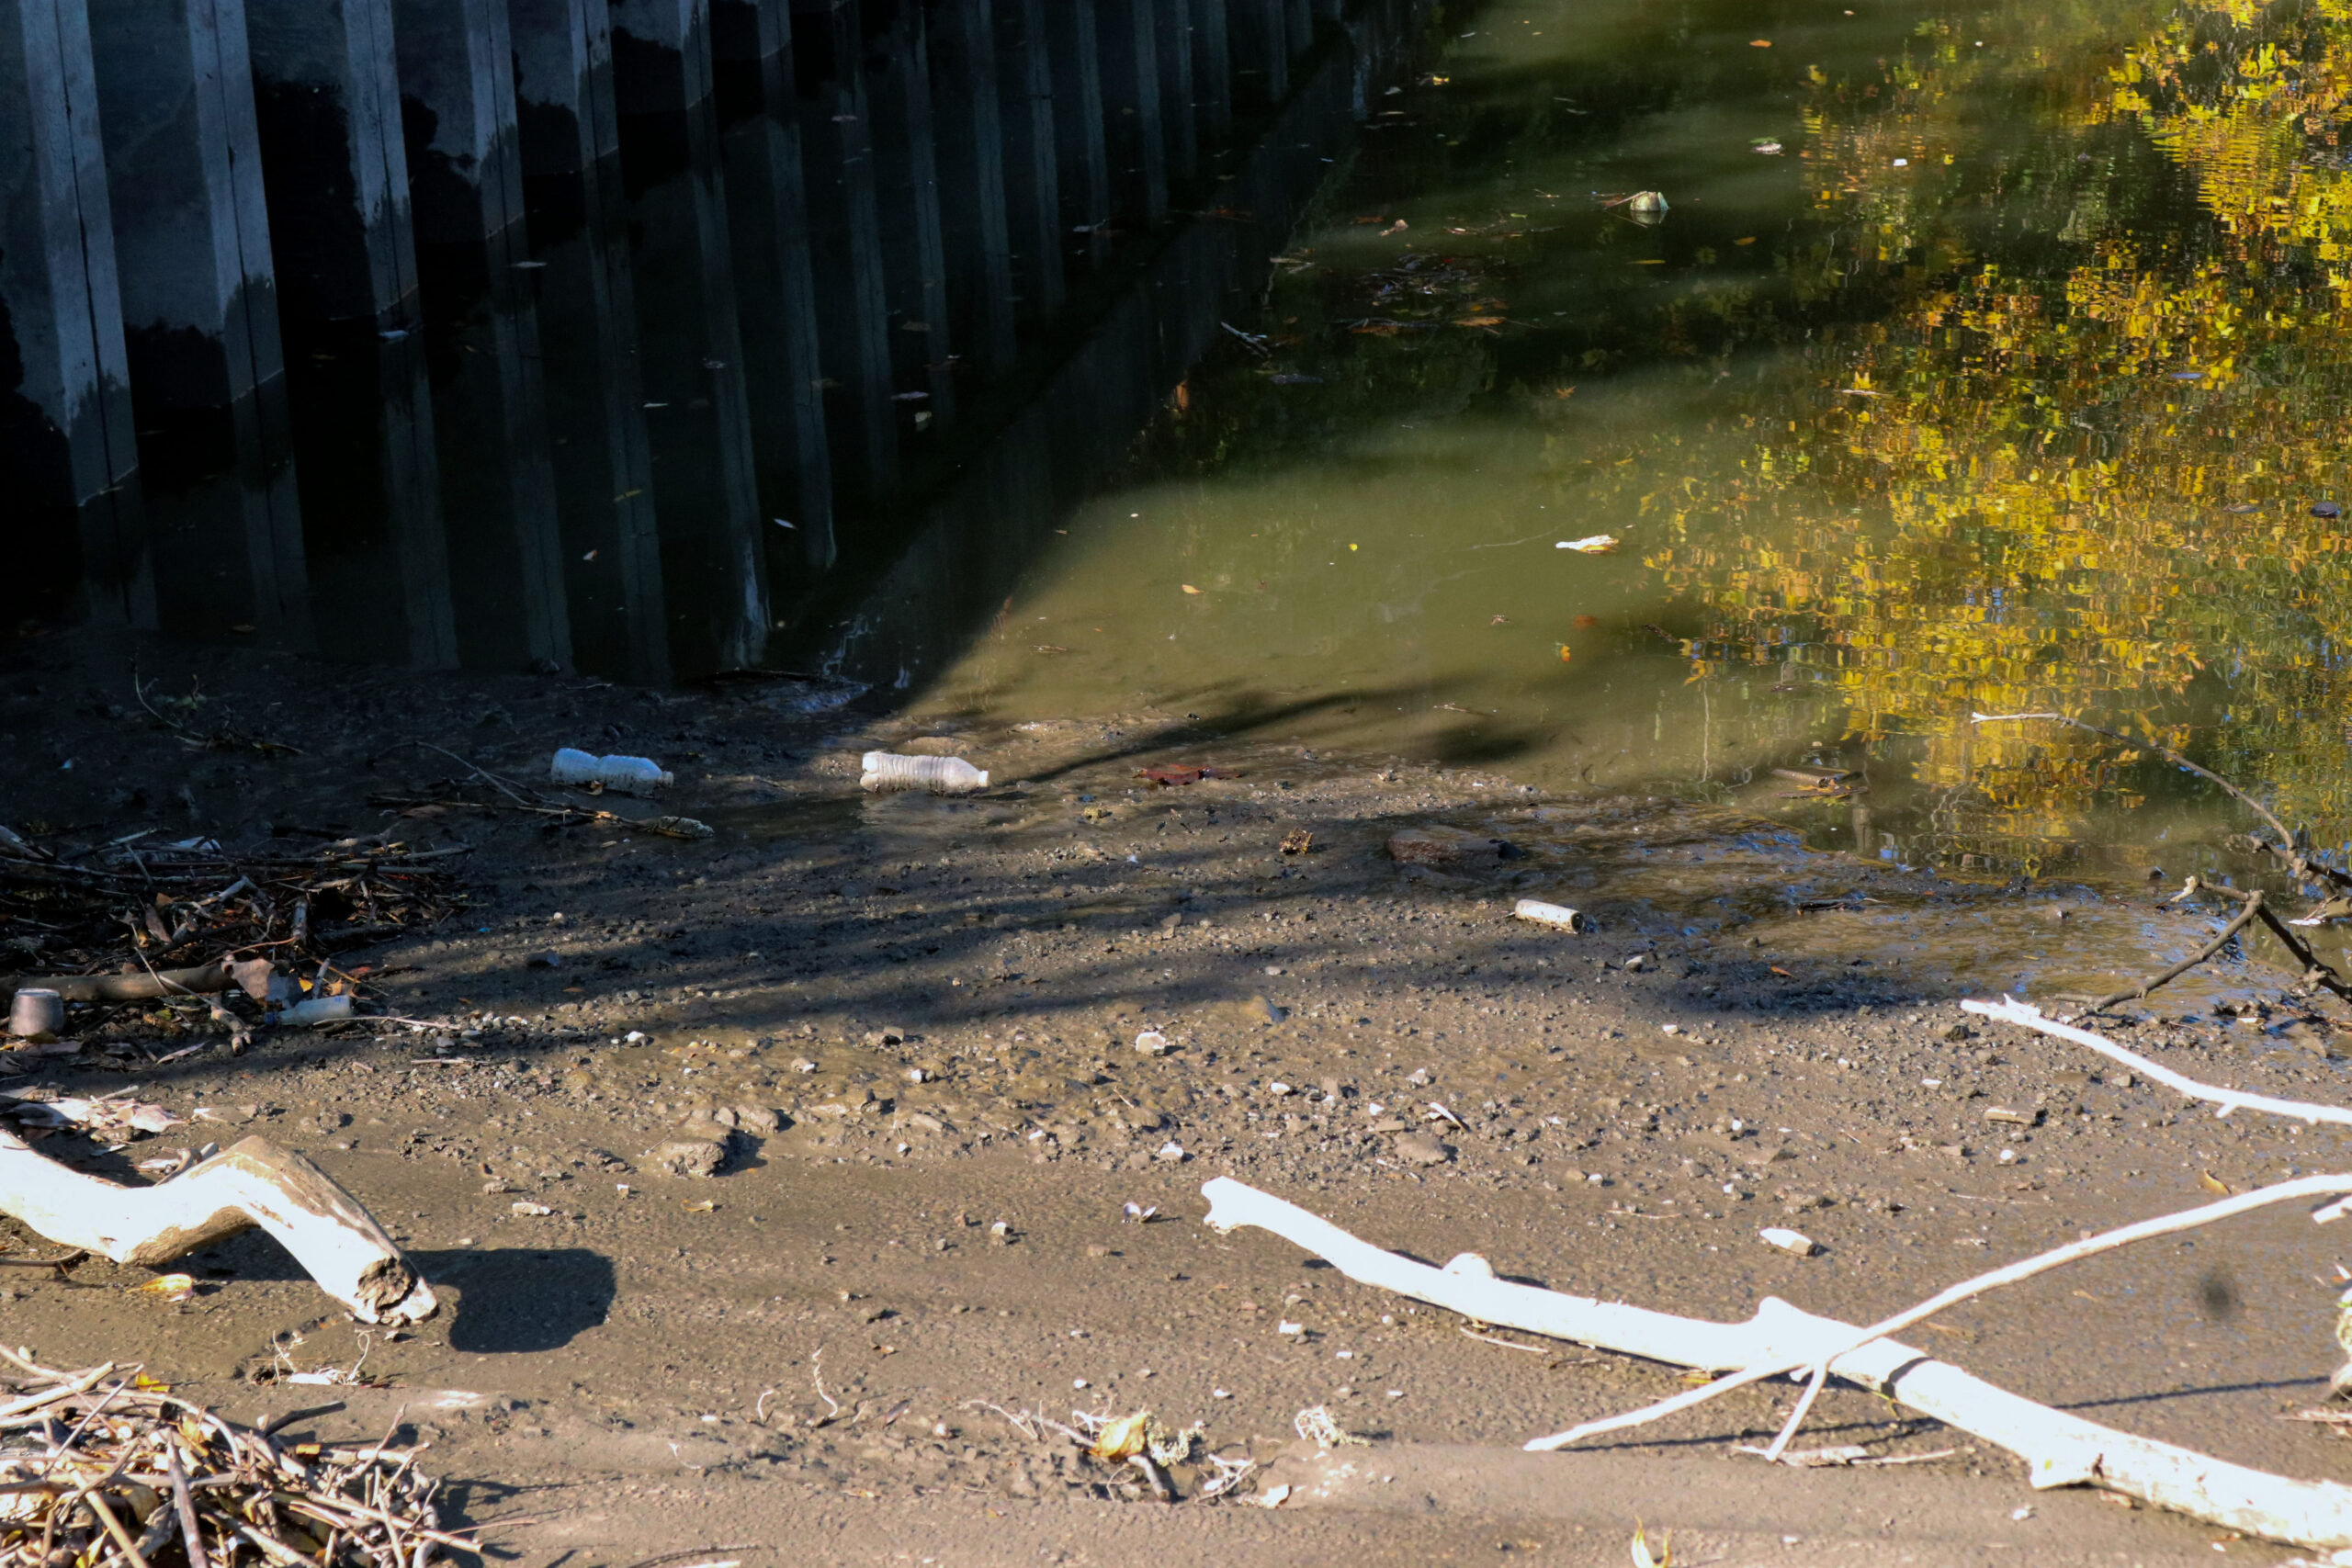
{"x":1988,"y":358}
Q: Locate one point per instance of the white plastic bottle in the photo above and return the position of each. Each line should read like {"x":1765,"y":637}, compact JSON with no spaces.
{"x":624,"y":776}
{"x":941,"y":775}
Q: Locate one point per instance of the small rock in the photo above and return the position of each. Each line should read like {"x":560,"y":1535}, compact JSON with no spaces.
{"x":532,"y":1211}
{"x":1636,"y":964}
{"x":1151,"y":1043}
{"x":690,"y":1156}
{"x":803,"y":1065}
{"x":759,"y":1119}
{"x":548,"y":959}
{"x":1787,"y":1240}
{"x":1262,"y":1010}
{"x":1172,"y":1152}
{"x":1423,"y":1148}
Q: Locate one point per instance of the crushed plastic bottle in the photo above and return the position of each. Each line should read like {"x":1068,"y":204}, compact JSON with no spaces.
{"x":316,"y":1010}
{"x":941,"y":775}
{"x":623,"y":775}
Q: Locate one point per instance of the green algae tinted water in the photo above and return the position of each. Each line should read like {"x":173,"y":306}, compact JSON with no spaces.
{"x":1984,"y":359}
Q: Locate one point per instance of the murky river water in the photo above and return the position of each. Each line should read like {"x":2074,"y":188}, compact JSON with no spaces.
{"x":1987,"y":358}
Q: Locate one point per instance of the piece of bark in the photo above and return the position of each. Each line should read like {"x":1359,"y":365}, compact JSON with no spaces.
{"x":143,"y":987}
{"x":2059,"y":1449}
{"x":255,"y":1183}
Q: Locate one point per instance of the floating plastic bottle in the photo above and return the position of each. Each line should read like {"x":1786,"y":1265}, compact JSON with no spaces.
{"x":941,"y":775}
{"x":624,"y":776}
{"x":1551,"y":914}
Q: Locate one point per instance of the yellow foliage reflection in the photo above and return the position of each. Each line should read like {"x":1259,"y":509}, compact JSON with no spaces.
{"x":2072,"y":464}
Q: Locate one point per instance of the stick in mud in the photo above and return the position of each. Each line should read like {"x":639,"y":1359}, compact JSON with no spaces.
{"x":2026,"y":1016}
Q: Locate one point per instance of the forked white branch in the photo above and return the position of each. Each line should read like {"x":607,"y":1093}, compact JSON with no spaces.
{"x":2059,"y":1447}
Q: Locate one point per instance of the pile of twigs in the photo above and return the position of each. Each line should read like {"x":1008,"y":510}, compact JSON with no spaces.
{"x":139,"y":907}
{"x":104,"y":1470}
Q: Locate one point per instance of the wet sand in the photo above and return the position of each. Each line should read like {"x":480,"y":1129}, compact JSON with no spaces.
{"x":908,"y":1025}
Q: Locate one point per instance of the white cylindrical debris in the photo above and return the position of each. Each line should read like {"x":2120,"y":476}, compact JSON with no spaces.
{"x":623,"y":775}
{"x":317,"y":1010}
{"x":941,"y":775}
{"x":35,"y":1013}
{"x":1551,"y":914}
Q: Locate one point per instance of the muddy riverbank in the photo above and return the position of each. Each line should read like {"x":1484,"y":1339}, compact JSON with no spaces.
{"x":905,"y":1026}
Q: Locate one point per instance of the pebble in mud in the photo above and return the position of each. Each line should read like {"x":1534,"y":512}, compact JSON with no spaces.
{"x":1423,"y":1148}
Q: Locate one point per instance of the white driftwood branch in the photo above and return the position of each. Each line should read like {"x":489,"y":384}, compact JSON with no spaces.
{"x":253,"y":1183}
{"x":2026,"y":1016}
{"x":2059,"y":1449}
{"x":2332,"y":1186}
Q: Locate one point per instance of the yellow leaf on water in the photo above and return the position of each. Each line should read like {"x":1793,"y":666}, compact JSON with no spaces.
{"x":1190,"y":589}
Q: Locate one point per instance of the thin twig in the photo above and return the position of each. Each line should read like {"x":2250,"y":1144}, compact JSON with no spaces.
{"x":690,"y":1551}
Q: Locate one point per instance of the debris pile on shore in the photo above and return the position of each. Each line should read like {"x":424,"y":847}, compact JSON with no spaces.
{"x":107,"y":1469}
